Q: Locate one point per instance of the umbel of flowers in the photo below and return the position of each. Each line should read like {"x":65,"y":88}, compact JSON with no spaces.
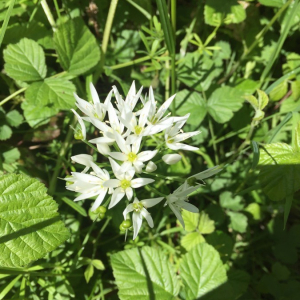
{"x":124,"y":127}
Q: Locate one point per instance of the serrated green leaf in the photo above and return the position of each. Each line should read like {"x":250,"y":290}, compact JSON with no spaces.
{"x":217,"y":12}
{"x":201,"y":271}
{"x":143,"y":272}
{"x":223,"y":102}
{"x":206,"y":225}
{"x":11,"y":156}
{"x":193,"y":103}
{"x":238,"y":221}
{"x":230,"y":202}
{"x":14,"y":118}
{"x":29,"y":222}
{"x":77,"y":48}
{"x":263,"y":99}
{"x":45,"y":99}
{"x":89,"y":272}
{"x":191,"y":239}
{"x":191,"y":220}
{"x":279,"y":170}
{"x":25,"y":61}
{"x":5,"y":132}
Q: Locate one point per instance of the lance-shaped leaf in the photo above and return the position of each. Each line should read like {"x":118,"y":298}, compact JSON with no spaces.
{"x":25,"y":61}
{"x":77,"y":48}
{"x":144,"y":274}
{"x":201,"y":271}
{"x":29,"y":223}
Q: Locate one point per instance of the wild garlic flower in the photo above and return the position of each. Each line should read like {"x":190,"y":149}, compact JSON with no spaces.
{"x":83,"y":159}
{"x":177,"y":201}
{"x":90,"y":185}
{"x":139,"y":212}
{"x":130,"y":154}
{"x":174,"y":135}
{"x":124,"y":183}
{"x":171,"y":159}
{"x":96,"y":110}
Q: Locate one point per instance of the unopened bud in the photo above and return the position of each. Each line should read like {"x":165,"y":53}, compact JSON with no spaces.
{"x":171,"y":159}
{"x":151,"y":167}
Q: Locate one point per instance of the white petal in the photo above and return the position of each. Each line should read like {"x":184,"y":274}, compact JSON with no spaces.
{"x":127,"y":210}
{"x":183,"y":136}
{"x":164,"y":107}
{"x":83,"y":159}
{"x":138,"y":166}
{"x":103,"y":148}
{"x":129,"y":193}
{"x":138,"y":182}
{"x":116,"y":197}
{"x":146,"y":155}
{"x":111,"y":183}
{"x":99,"y":200}
{"x":148,"y":217}
{"x":86,"y":196}
{"x":137,"y":223}
{"x":151,"y":202}
{"x":118,"y":155}
{"x":121,"y":143}
{"x":136,"y":145}
{"x":115,"y":167}
{"x":94,"y":94}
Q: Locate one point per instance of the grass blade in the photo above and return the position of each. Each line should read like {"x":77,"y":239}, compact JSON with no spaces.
{"x":6,"y":20}
{"x":279,"y":126}
{"x":256,"y":153}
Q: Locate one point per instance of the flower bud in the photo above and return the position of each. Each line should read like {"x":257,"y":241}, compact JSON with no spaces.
{"x":171,"y":159}
{"x":151,"y":167}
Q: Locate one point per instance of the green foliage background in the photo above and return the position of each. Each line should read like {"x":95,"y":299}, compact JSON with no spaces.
{"x":244,"y":243}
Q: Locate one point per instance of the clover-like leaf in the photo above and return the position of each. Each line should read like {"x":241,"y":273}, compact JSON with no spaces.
{"x":29,"y":223}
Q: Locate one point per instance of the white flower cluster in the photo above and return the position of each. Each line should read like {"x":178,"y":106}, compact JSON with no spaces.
{"x":126,"y":128}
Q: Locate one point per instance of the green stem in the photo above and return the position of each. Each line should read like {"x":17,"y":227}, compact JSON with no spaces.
{"x":256,"y":41}
{"x":62,"y":153}
{"x":211,"y":128}
{"x":57,"y":9}
{"x":12,"y":95}
{"x":107,"y":30}
{"x":48,"y":14}
{"x":173,"y":58}
{"x":129,"y":63}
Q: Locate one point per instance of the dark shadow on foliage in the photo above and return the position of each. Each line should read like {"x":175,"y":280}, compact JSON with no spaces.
{"x":28,"y":230}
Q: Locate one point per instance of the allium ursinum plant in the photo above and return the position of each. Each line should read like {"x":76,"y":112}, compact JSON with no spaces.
{"x":127,"y":127}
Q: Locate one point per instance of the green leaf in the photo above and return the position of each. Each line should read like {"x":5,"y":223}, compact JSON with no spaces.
{"x":193,"y":103}
{"x":217,"y":12}
{"x":263,"y":99}
{"x":77,"y":48}
{"x":11,"y":156}
{"x":223,"y":102}
{"x":279,"y":91}
{"x":280,"y":271}
{"x":238,"y":221}
{"x":255,"y":210}
{"x":5,"y":132}
{"x":75,"y":206}
{"x":98,"y":264}
{"x":201,"y":271}
{"x":296,"y":140}
{"x":144,"y":273}
{"x":14,"y":118}
{"x":29,"y":222}
{"x":273,"y":3}
{"x":45,"y":99}
{"x":230,"y":202}
{"x":6,"y":20}
{"x":206,"y":225}
{"x":191,"y":220}
{"x":191,"y":239}
{"x":295,"y":85}
{"x":89,"y":272}
{"x":25,"y":61}
{"x":221,"y":242}
{"x":279,"y":170}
